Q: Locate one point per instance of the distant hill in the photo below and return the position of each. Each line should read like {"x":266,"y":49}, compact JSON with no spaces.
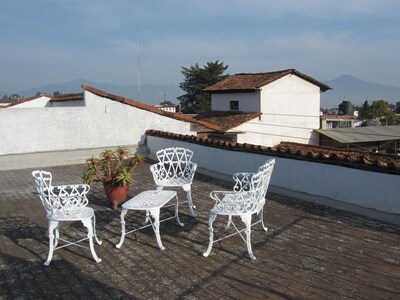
{"x":345,"y":87}
{"x":149,"y":93}
{"x":349,"y":88}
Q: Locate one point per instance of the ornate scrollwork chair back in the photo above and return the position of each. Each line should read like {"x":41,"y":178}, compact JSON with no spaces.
{"x":246,"y":198}
{"x":175,"y":169}
{"x":65,"y":203}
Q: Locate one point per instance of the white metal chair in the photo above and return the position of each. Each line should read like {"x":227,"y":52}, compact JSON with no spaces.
{"x":175,"y":169}
{"x":246,"y":198}
{"x":65,"y":203}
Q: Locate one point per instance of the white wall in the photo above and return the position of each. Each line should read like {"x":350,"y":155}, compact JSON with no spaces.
{"x":248,"y":102}
{"x":290,"y":108}
{"x":346,"y":188}
{"x":102,"y":123}
{"x":41,"y":101}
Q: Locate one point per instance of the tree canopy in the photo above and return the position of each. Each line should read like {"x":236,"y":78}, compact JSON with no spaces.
{"x":380,"y":109}
{"x":196,"y":80}
{"x":166,"y":103}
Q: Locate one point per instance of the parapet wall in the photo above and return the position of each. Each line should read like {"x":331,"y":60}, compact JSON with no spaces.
{"x":366,"y":192}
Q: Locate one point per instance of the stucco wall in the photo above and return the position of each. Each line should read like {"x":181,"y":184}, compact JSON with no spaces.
{"x":337,"y":186}
{"x":101,"y":123}
{"x":290,"y":109}
{"x":38,"y":102}
{"x":248,"y":102}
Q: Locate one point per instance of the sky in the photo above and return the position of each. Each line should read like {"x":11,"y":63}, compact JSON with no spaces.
{"x":126,"y":42}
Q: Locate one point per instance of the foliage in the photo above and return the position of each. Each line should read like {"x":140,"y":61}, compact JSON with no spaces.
{"x":365,"y":109}
{"x":380,"y":109}
{"x":167,"y":103}
{"x":113,"y":166}
{"x":196,"y":80}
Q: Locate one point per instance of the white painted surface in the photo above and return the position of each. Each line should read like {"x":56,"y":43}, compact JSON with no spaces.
{"x":41,"y":101}
{"x":101,"y":123}
{"x":290,"y":108}
{"x":248,"y":102}
{"x":340,"y":184}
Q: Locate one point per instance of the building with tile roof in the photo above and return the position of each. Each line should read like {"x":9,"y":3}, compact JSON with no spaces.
{"x":30,"y":102}
{"x":46,"y":136}
{"x":265,"y":108}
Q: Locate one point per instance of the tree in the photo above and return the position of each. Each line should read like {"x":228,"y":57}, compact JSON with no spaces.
{"x":15,"y":96}
{"x":167,"y":103}
{"x":365,"y":109}
{"x":380,"y":109}
{"x":196,"y":80}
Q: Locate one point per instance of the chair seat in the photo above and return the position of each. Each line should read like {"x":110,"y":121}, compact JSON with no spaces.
{"x":73,"y":214}
{"x":233,"y":207}
{"x":173,"y":182}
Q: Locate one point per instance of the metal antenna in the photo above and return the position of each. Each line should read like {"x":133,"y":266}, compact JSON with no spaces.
{"x":138,"y":61}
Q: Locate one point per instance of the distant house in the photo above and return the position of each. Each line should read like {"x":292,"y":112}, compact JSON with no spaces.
{"x":383,"y":139}
{"x":66,"y":100}
{"x":265,"y":108}
{"x":168,"y":108}
{"x":31,"y":102}
{"x":338,"y":121}
{"x":5,"y":102}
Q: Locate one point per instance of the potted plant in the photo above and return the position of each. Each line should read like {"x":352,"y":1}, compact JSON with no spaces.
{"x":114,"y":170}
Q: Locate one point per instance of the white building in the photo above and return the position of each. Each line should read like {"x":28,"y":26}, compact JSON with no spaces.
{"x":265,"y":108}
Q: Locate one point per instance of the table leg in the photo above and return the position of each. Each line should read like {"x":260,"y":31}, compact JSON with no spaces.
{"x":156,"y":215}
{"x":123,"y":213}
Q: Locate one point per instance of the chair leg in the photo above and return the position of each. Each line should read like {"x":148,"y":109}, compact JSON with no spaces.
{"x":89,"y":225}
{"x":52,"y":242}
{"x":177,"y":211}
{"x":94,"y":230}
{"x":188,"y":191}
{"x":57,"y":234}
{"x":229,"y":222}
{"x":211,"y":232}
{"x":247,"y":221}
{"x":262,"y":219}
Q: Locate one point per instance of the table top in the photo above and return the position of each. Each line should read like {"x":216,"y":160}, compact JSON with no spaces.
{"x":149,"y":200}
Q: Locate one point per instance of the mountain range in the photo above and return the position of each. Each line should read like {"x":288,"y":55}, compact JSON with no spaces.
{"x":344,"y":88}
{"x":349,"y":88}
{"x":149,"y":93}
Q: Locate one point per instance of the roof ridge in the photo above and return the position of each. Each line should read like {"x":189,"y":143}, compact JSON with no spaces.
{"x":252,"y":82}
{"x":261,"y":73}
{"x":150,"y":108}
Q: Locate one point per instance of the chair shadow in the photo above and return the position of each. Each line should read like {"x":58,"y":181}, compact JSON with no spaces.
{"x":20,"y":228}
{"x":49,"y":282}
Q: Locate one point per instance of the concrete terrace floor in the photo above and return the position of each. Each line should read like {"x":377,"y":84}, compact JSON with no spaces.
{"x":309,"y":252}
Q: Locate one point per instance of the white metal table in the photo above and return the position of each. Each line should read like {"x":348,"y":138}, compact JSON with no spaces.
{"x":151,"y":202}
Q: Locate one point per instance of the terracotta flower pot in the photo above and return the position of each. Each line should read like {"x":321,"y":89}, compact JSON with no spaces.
{"x":116,"y":194}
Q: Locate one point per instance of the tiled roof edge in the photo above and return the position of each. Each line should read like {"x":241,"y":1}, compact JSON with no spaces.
{"x":279,"y":74}
{"x":317,"y":154}
{"x":149,"y":107}
{"x":322,"y":86}
{"x":23,"y":100}
{"x":68,"y":97}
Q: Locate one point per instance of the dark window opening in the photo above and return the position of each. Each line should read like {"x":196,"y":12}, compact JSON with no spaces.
{"x":234,"y":105}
